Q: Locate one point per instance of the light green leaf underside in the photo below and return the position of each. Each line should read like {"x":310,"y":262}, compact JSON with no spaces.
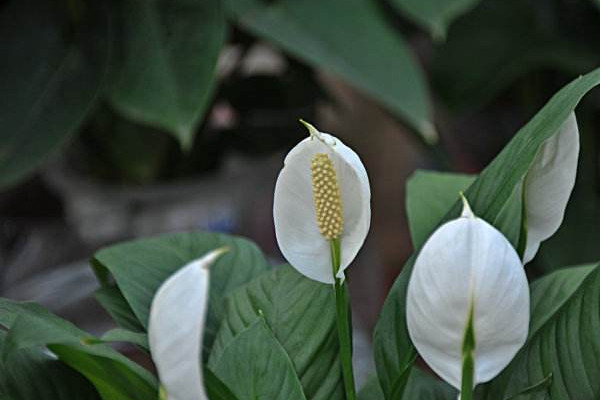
{"x":301,"y":314}
{"x":114,"y":375}
{"x":256,"y":367}
{"x":139,"y":267}
{"x":356,"y":44}
{"x":167,"y":54}
{"x":563,"y":340}
{"x":488,"y":195}
{"x":434,"y":15}
{"x":48,"y":84}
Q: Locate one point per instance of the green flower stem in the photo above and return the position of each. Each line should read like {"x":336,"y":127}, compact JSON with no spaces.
{"x":468,"y":351}
{"x":344,"y":325}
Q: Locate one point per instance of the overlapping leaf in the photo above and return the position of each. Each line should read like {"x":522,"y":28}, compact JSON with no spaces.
{"x":301,"y":314}
{"x":256,"y":367}
{"x":488,"y":195}
{"x":563,"y":348}
{"x":114,"y":375}
{"x":139,"y":268}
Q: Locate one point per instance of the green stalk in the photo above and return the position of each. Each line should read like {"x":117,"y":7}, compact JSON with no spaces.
{"x":344,"y":326}
{"x":468,"y":352}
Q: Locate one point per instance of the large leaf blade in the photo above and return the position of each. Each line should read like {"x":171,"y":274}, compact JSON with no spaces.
{"x":256,"y":367}
{"x":560,"y":344}
{"x":357,"y":44}
{"x":166,"y":69}
{"x":48,"y":88}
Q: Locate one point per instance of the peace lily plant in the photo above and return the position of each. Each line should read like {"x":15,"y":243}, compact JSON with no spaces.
{"x":220,"y":322}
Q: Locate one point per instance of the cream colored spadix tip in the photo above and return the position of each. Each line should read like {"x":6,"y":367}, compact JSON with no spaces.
{"x":467,"y":212}
{"x":327,"y":197}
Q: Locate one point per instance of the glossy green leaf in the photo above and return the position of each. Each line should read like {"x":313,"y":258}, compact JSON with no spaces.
{"x":350,"y":38}
{"x":49,"y":79}
{"x":215,"y":388}
{"x":301,"y":314}
{"x":420,"y":386}
{"x":434,"y":15}
{"x":488,"y":196}
{"x":167,"y":54}
{"x":256,"y":367}
{"x":114,"y":375}
{"x":33,"y":375}
{"x":563,"y":341}
{"x":139,"y":267}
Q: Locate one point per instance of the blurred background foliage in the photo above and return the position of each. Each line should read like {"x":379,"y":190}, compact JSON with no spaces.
{"x":138,"y":93}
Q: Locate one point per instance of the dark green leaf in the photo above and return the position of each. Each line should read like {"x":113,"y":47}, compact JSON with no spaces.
{"x":301,"y":314}
{"x":350,"y":38}
{"x":256,"y":367}
{"x":32,"y":375}
{"x":113,"y":301}
{"x":420,"y":386}
{"x":522,"y":41}
{"x":166,"y":69}
{"x":140,"y":267}
{"x":563,"y":341}
{"x":488,"y":195}
{"x":434,"y":15}
{"x":215,"y":388}
{"x":49,"y":79}
{"x":371,"y":390}
{"x":114,"y":375}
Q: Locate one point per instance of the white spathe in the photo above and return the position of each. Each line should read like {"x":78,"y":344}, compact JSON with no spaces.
{"x":176,"y":329}
{"x":467,"y":263}
{"x":294,"y":211}
{"x":549,"y":184}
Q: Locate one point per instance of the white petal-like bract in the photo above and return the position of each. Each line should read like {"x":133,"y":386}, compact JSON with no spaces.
{"x":467,"y":263}
{"x":176,"y":329}
{"x":549,"y":184}
{"x":296,"y":228}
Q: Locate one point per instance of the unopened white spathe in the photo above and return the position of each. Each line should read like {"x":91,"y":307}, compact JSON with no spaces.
{"x":467,"y":263}
{"x":176,"y":329}
{"x":294,"y":211}
{"x":549,"y":184}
